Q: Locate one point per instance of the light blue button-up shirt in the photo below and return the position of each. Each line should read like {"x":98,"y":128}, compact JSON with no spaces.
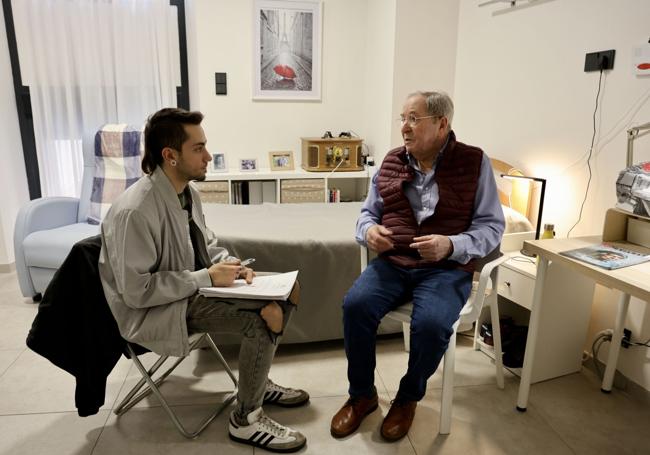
{"x":483,"y":234}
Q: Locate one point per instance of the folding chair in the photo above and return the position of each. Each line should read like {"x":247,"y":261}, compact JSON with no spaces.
{"x":132,"y":399}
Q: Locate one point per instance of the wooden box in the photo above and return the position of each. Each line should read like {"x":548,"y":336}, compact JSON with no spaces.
{"x":621,"y":226}
{"x":302,"y":190}
{"x":213,"y":192}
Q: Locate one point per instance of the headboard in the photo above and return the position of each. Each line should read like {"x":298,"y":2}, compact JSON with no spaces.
{"x":516,"y":196}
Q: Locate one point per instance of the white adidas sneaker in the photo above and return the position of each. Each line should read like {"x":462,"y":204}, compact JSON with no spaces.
{"x":266,"y":433}
{"x":284,"y":396}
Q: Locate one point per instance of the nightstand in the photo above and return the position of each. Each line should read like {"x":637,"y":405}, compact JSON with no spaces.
{"x":565,"y":313}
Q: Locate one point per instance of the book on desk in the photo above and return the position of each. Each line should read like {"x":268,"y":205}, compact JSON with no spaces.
{"x":609,"y":255}
{"x":625,"y":242}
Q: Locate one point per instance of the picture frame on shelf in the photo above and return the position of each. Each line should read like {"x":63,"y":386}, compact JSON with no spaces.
{"x":287,"y":49}
{"x":248,"y":165}
{"x":219,"y":162}
{"x":281,"y":161}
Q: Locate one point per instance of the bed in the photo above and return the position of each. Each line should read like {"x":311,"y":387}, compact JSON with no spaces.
{"x":318,"y":240}
{"x":315,"y":238}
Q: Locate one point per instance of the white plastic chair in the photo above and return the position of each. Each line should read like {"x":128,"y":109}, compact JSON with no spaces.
{"x":481,"y":293}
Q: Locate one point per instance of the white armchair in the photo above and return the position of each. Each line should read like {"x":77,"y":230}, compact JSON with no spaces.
{"x":46,"y":228}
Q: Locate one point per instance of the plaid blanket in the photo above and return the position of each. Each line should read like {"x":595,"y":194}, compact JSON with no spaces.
{"x":118,"y":149}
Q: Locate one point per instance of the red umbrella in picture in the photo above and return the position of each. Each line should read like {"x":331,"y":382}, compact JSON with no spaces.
{"x":285,"y":71}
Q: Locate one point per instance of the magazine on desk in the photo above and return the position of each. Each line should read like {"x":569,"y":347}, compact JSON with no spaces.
{"x":266,"y":287}
{"x":609,"y":256}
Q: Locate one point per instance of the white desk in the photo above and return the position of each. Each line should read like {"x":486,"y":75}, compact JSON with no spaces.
{"x":631,"y":281}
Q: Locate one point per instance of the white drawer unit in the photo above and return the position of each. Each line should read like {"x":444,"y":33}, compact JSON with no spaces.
{"x":214,"y":192}
{"x":515,"y":286}
{"x":302,"y":190}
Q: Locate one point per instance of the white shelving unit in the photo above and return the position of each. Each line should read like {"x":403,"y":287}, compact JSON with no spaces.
{"x":357,"y":179}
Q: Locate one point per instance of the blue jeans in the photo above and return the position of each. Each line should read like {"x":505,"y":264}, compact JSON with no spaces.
{"x":437,"y":295}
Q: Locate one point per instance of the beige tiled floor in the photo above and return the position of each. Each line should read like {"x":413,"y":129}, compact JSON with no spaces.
{"x":567,"y":415}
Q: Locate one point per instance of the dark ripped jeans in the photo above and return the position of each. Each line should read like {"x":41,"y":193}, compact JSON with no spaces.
{"x":258,"y":345}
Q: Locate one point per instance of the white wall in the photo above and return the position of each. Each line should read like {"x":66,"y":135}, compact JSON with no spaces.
{"x":425,"y":52}
{"x":242,"y":128}
{"x":378,"y":76}
{"x":522,"y":95}
{"x":374,"y":54}
{"x":12,"y":171}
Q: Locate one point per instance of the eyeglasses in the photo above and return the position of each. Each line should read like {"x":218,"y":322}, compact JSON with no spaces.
{"x":412,"y":120}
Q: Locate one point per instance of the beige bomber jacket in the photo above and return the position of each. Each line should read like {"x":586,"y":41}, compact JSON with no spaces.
{"x":146,"y":263}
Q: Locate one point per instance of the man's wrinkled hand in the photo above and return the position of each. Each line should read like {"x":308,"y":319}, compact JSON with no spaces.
{"x":433,"y":247}
{"x":378,"y":238}
{"x":224,"y":274}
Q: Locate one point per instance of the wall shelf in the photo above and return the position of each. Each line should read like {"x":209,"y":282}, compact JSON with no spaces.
{"x":353,"y":184}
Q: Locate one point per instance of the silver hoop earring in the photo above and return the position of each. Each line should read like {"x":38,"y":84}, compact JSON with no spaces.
{"x":173,"y":162}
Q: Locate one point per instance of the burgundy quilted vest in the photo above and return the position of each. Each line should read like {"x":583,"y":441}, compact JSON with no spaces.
{"x":456,"y":174}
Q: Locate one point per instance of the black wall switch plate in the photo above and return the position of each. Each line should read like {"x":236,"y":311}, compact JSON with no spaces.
{"x":220,"y":83}
{"x":602,"y":60}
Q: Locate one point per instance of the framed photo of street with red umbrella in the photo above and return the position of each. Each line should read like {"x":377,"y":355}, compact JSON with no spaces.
{"x":287,"y":50}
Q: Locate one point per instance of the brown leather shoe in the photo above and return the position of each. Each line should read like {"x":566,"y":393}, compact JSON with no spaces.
{"x":399,"y":419}
{"x":350,"y":416}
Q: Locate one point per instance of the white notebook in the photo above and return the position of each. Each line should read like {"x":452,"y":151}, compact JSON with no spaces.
{"x":266,"y":287}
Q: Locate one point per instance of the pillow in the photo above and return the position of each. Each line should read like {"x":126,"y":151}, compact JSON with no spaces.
{"x":515,"y":221}
{"x":118,"y":148}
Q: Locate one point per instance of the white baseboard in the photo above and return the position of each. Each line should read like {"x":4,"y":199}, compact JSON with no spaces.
{"x":621,"y":382}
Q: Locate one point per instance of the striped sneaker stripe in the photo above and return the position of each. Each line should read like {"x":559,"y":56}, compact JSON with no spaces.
{"x":264,"y":433}
{"x":261,"y":438}
{"x":255,"y":435}
{"x":268,"y":440}
{"x":282,"y":396}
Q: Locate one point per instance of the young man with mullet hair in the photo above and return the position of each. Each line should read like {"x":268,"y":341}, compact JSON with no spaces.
{"x":156,"y":254}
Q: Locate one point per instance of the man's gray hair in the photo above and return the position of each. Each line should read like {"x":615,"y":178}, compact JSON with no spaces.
{"x":438,"y":104}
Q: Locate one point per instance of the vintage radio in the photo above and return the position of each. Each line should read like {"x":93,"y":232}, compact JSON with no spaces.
{"x":322,"y":155}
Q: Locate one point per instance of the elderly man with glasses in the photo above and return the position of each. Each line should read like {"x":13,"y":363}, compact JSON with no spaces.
{"x":432,"y":208}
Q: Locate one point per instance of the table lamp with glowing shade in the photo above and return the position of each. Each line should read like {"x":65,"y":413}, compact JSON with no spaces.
{"x":524,"y":194}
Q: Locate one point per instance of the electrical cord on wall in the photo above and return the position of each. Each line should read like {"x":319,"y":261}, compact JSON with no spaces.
{"x":635,"y":343}
{"x":601,"y":337}
{"x":605,"y":336}
{"x":626,"y":121}
{"x":591,"y":150}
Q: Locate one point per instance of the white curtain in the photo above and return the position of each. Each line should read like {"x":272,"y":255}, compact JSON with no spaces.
{"x":90,"y":62}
